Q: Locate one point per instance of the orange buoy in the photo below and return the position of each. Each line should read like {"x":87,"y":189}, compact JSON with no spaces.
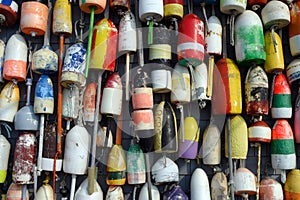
{"x":270,"y":189}
{"x":34,"y":17}
{"x":15,"y":192}
{"x":99,"y":6}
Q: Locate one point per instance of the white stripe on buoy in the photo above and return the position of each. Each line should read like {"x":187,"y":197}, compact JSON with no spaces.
{"x":280,"y":161}
{"x":281,"y":113}
{"x":190,"y":45}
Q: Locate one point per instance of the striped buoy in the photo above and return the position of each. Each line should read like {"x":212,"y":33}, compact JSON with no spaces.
{"x":173,"y":9}
{"x":190,"y":43}
{"x":104,"y":45}
{"x":9,"y":101}
{"x":249,"y":39}
{"x":283,"y":154}
{"x":270,"y":189}
{"x":294,"y":29}
{"x":218,"y":186}
{"x":142,"y":98}
{"x":8,"y":12}
{"x":211,"y":146}
{"x":256,"y":91}
{"x":291,"y":186}
{"x":239,"y":137}
{"x":143,"y":120}
{"x":274,"y":53}
{"x":213,"y":37}
{"x":244,"y":182}
{"x":259,"y":131}
{"x":227,"y":83}
{"x":293,"y":71}
{"x":15,"y":192}
{"x":281,"y":103}
{"x":188,"y":146}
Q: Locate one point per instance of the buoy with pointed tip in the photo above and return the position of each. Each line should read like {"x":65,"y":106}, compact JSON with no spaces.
{"x":274,"y":53}
{"x":211,"y":146}
{"x":24,"y":158}
{"x":4,"y":149}
{"x":116,"y":166}
{"x":249,"y":39}
{"x":144,"y":193}
{"x":244,"y":182}
{"x":256,"y":91}
{"x":291,"y":187}
{"x":227,"y":83}
{"x":34,"y":17}
{"x":9,"y":101}
{"x":282,"y":146}
{"x":281,"y":98}
{"x":259,"y":131}
{"x":15,"y":192}
{"x":188,"y":146}
{"x":165,"y":129}
{"x":114,"y":192}
{"x":269,"y":188}
{"x":44,"y":96}
{"x":190,"y":43}
{"x":82,"y":192}
{"x":15,"y":64}
{"x":200,"y":185}
{"x":112,"y":95}
{"x":2,"y":50}
{"x":165,"y":170}
{"x":239,"y":137}
{"x":104,"y":45}
{"x":218,"y":187}
{"x":45,"y":192}
{"x":294,"y":29}
{"x":136,"y":168}
{"x":8,"y":13}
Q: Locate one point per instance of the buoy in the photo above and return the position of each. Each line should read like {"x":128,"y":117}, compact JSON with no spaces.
{"x":291,"y":187}
{"x":89,"y":102}
{"x":44,"y":97}
{"x":49,"y":150}
{"x":9,"y":101}
{"x":175,"y":192}
{"x":24,"y":158}
{"x":249,"y":39}
{"x":142,"y":98}
{"x":270,"y":189}
{"x":62,"y":18}
{"x":15,"y":64}
{"x":161,"y":80}
{"x":282,"y":146}
{"x":76,"y":154}
{"x":274,"y":53}
{"x":181,"y":87}
{"x":256,"y":91}
{"x":82,"y":192}
{"x":98,"y":6}
{"x":5,"y":149}
{"x":200,"y":84}
{"x":190,"y":43}
{"x":218,"y":187}
{"x":2,"y":50}
{"x":239,"y":137}
{"x":112,"y":95}
{"x":227,"y":83}
{"x":244,"y":182}
{"x":151,"y":11}
{"x":296,"y":119}
{"x":188,"y":146}
{"x":70,"y":104}
{"x":173,"y":11}
{"x":104,"y":45}
{"x":143,"y":120}
{"x":200,"y":185}
{"x":74,"y":66}
{"x":256,"y":4}
{"x":281,"y":98}
{"x":165,"y":170}
{"x":165,"y":133}
{"x":294,"y":29}
{"x":136,"y":168}
{"x":34,"y":17}
{"x":144,"y":193}
{"x":45,"y":192}
{"x":15,"y":192}
{"x":211,"y":146}
{"x":292,"y":71}
{"x":259,"y":131}
{"x":119,"y":6}
{"x":8,"y":13}
{"x":114,"y":192}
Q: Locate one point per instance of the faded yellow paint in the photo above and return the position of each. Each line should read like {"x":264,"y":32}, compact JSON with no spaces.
{"x":239,"y":137}
{"x":173,"y":9}
{"x":62,"y":17}
{"x":235,"y":94}
{"x":292,"y":184}
{"x":191,"y":130}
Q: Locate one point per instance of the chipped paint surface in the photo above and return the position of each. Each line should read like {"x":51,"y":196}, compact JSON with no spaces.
{"x":62,"y":18}
{"x":4,"y":156}
{"x":143,"y":120}
{"x":173,"y":8}
{"x":219,"y":189}
{"x":44,"y":61}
